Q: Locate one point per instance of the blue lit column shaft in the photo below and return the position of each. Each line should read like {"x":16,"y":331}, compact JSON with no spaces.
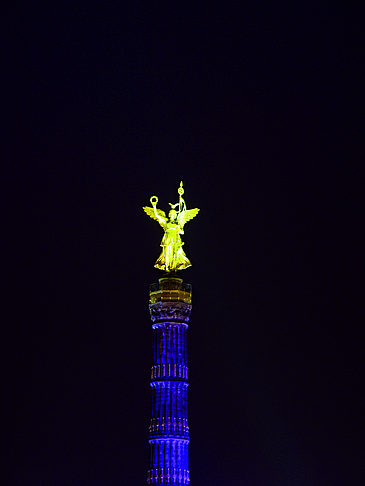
{"x":169,"y":430}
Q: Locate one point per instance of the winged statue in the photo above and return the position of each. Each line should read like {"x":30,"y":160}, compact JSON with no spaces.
{"x":172,"y":256}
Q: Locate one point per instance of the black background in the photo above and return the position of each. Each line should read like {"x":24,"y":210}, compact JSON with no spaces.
{"x":254,"y":108}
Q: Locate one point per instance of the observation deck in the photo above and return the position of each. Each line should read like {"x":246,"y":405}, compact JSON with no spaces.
{"x":170,"y":289}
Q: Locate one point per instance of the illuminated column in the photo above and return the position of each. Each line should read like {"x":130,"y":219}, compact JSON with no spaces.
{"x":170,"y":307}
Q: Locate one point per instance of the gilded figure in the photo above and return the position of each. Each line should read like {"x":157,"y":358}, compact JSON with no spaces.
{"x":172,"y":256}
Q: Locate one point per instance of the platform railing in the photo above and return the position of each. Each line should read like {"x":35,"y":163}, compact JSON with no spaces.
{"x":170,"y":295}
{"x":176,"y":292}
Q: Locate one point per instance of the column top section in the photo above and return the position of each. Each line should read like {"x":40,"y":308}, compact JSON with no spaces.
{"x":170,"y":289}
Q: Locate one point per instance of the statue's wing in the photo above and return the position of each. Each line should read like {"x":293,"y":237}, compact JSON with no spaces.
{"x":151,"y":214}
{"x":186,"y":216}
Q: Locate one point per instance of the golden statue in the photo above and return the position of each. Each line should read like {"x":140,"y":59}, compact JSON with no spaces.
{"x":172,"y":257}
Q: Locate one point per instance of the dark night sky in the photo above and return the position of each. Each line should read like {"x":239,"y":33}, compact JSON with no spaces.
{"x":252,"y":107}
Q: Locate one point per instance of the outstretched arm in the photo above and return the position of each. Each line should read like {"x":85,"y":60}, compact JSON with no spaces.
{"x":155,"y":213}
{"x":160,"y":219}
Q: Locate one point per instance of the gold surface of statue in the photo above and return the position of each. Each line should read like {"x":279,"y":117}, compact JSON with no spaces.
{"x":172,"y":257}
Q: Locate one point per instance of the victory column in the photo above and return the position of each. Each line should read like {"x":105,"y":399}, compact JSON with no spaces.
{"x":170,"y":307}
